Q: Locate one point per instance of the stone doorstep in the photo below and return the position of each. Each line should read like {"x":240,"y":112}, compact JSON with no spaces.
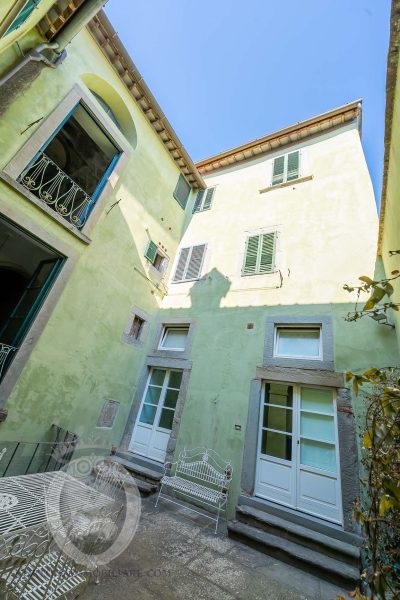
{"x":325,"y":567}
{"x":309,"y":538}
{"x":140,"y":471}
{"x":137,"y":459}
{"x":307,"y":521}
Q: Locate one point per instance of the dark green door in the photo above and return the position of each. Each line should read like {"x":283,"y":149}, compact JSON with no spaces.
{"x":33,"y":296}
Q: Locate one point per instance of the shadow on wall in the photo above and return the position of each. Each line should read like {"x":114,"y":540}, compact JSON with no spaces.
{"x":80,"y":359}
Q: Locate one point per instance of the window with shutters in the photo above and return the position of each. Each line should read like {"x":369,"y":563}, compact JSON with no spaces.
{"x":259,"y":257}
{"x":286,"y":168}
{"x":182,"y":191}
{"x":156,"y":257}
{"x":23,"y":15}
{"x":204,"y":199}
{"x":189,"y":264}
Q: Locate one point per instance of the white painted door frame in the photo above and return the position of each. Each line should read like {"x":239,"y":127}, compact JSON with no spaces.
{"x":151,"y":440}
{"x":289,"y":482}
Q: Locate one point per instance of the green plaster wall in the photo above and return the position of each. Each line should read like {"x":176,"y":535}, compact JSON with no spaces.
{"x":79,"y":360}
{"x":327,"y":230}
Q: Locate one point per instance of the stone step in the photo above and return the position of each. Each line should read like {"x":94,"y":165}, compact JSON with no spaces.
{"x":139,"y":471}
{"x":344,"y":575}
{"x":299,"y":518}
{"x":309,"y":538}
{"x":145,"y":488}
{"x":141,"y":460}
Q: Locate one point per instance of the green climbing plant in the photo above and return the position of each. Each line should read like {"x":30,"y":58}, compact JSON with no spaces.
{"x":379,"y":510}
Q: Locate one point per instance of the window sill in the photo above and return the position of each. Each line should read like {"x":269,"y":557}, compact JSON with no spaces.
{"x":186,"y":281}
{"x":195,"y":212}
{"x":259,"y":274}
{"x":286,"y":184}
{"x":20,"y":189}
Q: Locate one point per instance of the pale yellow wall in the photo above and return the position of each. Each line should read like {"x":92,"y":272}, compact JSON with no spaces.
{"x":391,"y":222}
{"x":327,"y":226}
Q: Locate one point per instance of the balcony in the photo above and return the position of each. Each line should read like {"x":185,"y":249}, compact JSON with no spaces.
{"x":48,"y":182}
{"x":5,"y":355}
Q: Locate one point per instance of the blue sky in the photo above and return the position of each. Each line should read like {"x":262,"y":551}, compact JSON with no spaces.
{"x":228,"y":71}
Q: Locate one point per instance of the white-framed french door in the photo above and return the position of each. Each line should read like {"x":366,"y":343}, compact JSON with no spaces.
{"x":298,"y":452}
{"x":156,"y":413}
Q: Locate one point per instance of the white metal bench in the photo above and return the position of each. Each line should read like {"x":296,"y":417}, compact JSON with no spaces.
{"x":199,"y":474}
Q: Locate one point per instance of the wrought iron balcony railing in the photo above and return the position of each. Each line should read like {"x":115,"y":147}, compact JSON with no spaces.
{"x":23,"y":458}
{"x":5,"y":352}
{"x":49,"y":183}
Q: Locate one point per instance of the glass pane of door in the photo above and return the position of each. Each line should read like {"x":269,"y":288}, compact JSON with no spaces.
{"x":277,"y":421}
{"x":317,"y":429}
{"x":318,"y":455}
{"x":317,"y":400}
{"x":169,"y":399}
{"x":152,"y":398}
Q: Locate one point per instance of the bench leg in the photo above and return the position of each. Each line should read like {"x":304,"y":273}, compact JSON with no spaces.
{"x":216,"y":524}
{"x":158,"y":495}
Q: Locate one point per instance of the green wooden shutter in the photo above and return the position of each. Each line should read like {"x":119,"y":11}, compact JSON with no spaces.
{"x":181,"y":266}
{"x":199,"y":198}
{"x":151,"y":251}
{"x":195,"y":262}
{"x":182,"y":191}
{"x":209,"y":198}
{"x":251,"y":254}
{"x":23,"y":14}
{"x":278,"y":172}
{"x":267,"y":253}
{"x":293,"y":163}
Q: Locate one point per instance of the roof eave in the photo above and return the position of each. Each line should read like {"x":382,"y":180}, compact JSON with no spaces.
{"x":283,"y":137}
{"x":107,"y":38}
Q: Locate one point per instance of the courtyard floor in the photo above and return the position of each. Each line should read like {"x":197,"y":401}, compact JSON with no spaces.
{"x":175,"y":555}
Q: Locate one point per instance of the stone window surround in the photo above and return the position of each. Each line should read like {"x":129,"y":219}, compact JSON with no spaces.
{"x":130,"y":339}
{"x":162,"y":363}
{"x":324,"y":322}
{"x":45,"y":130}
{"x":348,"y":452}
{"x":40,"y":321}
{"x":175,"y":354}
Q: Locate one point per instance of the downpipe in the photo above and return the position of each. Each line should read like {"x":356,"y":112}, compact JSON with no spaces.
{"x":64,"y":37}
{"x":35,"y":55}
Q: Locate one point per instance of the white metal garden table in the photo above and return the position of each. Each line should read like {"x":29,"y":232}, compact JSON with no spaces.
{"x":32,"y":567}
{"x":23,"y":498}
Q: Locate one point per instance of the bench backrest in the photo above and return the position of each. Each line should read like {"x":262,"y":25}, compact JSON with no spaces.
{"x":204,"y":466}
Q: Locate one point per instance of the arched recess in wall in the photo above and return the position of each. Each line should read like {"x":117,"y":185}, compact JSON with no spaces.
{"x":107,"y":97}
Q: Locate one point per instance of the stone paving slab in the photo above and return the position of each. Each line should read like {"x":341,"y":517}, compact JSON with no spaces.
{"x":176,"y":556}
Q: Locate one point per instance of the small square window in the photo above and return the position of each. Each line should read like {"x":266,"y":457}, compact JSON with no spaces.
{"x":174,"y":338}
{"x":137,"y":327}
{"x":160,"y":262}
{"x":298,"y":342}
{"x":156,"y":257}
